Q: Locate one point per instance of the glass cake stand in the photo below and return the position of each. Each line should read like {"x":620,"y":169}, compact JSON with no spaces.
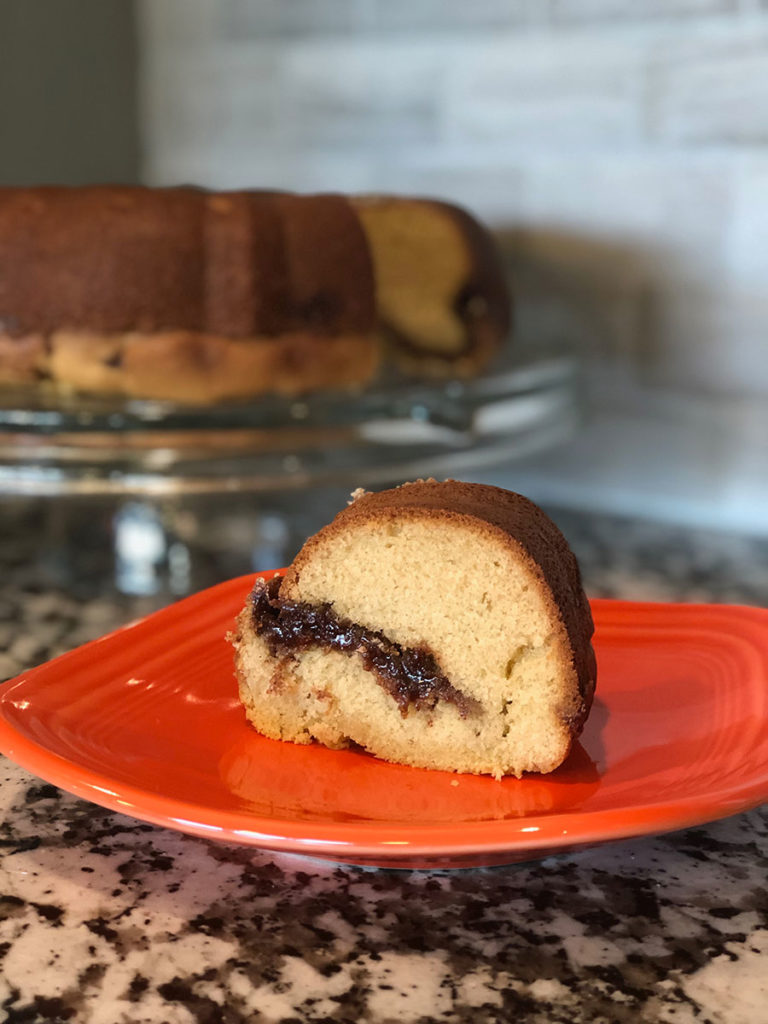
{"x":174,"y":497}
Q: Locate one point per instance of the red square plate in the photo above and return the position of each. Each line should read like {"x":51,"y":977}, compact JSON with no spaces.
{"x":146,"y":721}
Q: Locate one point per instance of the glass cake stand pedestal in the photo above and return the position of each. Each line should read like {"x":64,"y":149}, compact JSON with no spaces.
{"x":158,"y":499}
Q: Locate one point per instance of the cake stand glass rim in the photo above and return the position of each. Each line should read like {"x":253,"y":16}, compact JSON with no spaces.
{"x":392,"y":431}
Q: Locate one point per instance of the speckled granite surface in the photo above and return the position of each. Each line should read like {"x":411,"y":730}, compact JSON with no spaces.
{"x":104,"y":919}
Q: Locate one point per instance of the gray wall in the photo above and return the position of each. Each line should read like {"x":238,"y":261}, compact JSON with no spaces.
{"x":619,"y":148}
{"x":68,"y":109}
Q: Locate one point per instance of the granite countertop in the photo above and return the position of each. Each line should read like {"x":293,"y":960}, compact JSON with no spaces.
{"x":104,"y":919}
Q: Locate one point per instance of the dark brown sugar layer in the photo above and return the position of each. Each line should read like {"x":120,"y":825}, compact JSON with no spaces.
{"x":411,"y":675}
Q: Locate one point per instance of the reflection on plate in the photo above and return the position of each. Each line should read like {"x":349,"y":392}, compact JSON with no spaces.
{"x":146,"y":721}
{"x":316,"y":784}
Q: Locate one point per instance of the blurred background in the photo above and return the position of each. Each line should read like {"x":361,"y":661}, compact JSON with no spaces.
{"x":618,"y":150}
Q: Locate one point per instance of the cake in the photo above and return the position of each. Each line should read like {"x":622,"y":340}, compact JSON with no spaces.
{"x":199,"y":296}
{"x":437,"y":624}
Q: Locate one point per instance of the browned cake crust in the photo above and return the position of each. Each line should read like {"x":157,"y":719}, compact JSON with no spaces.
{"x":442,"y":258}
{"x":442,"y":625}
{"x":483,"y":302}
{"x":114,"y":259}
{"x":192,"y":295}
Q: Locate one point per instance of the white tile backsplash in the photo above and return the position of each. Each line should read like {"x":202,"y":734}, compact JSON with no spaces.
{"x":550,"y":92}
{"x":620,"y":150}
{"x":602,"y":11}
{"x":712,"y":86}
{"x":745,"y":239}
{"x":713,"y":342}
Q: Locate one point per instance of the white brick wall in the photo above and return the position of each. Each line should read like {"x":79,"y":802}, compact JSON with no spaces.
{"x":711,"y":86}
{"x":620,"y":149}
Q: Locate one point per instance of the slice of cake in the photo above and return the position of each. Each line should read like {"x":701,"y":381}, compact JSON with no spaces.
{"x":440,"y":625}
